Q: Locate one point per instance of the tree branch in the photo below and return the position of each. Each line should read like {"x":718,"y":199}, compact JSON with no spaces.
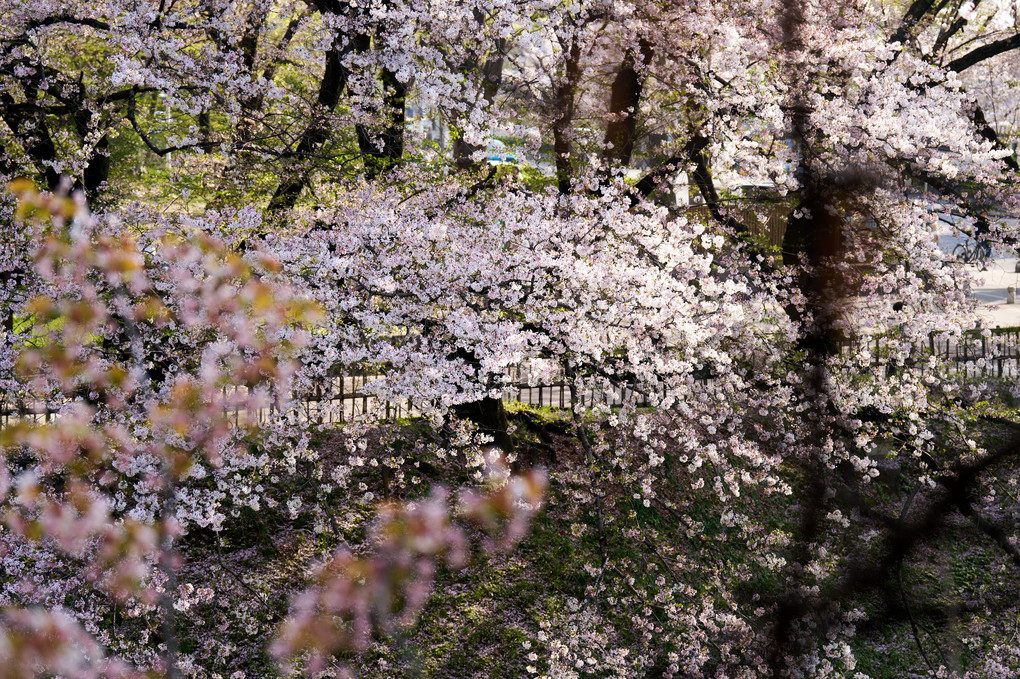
{"x":984,"y":52}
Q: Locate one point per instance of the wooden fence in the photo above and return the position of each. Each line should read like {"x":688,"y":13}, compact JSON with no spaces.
{"x":344,"y":398}
{"x":979,"y":354}
{"x":992,"y":355}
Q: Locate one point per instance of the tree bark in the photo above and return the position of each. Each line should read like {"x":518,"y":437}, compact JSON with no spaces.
{"x":379,"y":157}
{"x":492,"y":80}
{"x":488,"y":414}
{"x":32,"y":131}
{"x":334,"y":79}
{"x":624,"y":102}
{"x":565,"y":94}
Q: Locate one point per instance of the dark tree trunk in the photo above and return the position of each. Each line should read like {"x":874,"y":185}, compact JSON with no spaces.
{"x":31,"y":129}
{"x":492,"y":80}
{"x":379,"y":157}
{"x":988,"y":133}
{"x":817,"y":234}
{"x":562,"y":142}
{"x":98,"y":169}
{"x":488,"y":414}
{"x":490,"y":417}
{"x":624,"y":102}
{"x":334,"y":79}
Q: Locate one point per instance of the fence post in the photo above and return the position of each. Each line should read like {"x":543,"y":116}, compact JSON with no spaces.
{"x":984,"y":356}
{"x":364,"y":396}
{"x":342,"y":411}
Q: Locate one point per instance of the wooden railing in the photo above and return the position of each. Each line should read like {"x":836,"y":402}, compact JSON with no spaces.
{"x":994,"y":354}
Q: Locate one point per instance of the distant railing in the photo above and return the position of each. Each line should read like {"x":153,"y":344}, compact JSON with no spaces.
{"x":987,"y":353}
{"x":343,"y":398}
{"x":338,"y":399}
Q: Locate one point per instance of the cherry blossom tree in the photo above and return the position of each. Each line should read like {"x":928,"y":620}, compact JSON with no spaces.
{"x":731,"y":406}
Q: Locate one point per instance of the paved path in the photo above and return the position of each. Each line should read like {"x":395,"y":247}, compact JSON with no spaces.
{"x":989,"y":288}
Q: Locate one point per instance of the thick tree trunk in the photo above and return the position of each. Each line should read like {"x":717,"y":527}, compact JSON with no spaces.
{"x":334,"y":79}
{"x":562,"y":125}
{"x":33,"y":132}
{"x":815,"y":230}
{"x":489,"y":416}
{"x":988,"y":133}
{"x":624,"y":102}
{"x":7,"y":315}
{"x":98,"y":169}
{"x":492,"y":80}
{"x":384,"y":152}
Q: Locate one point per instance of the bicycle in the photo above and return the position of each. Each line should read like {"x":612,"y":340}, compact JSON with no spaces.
{"x":978,"y":254}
